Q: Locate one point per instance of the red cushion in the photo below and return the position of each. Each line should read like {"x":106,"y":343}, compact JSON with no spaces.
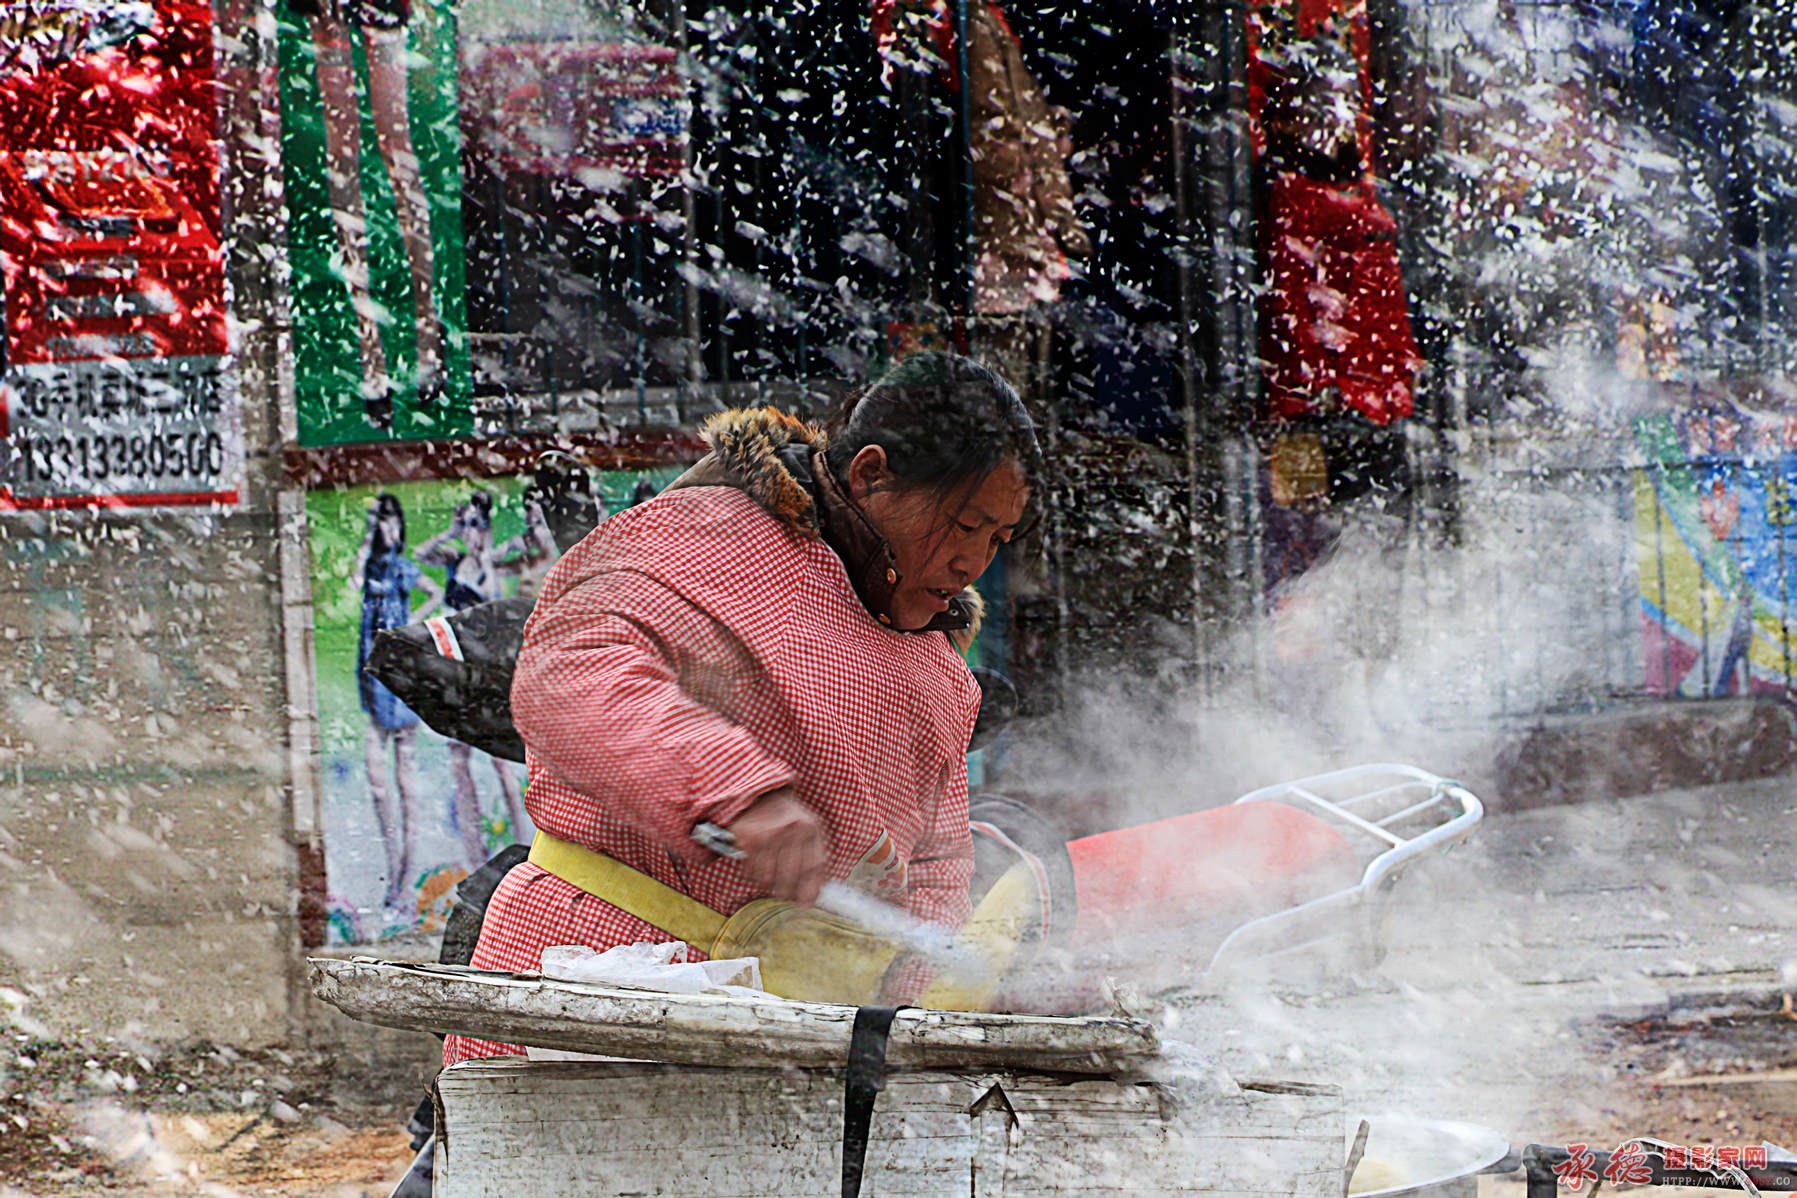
{"x":1216,"y":868}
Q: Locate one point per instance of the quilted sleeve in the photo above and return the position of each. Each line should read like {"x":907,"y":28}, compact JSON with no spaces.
{"x":938,"y":878}
{"x":627,"y":675}
{"x":941,"y":865}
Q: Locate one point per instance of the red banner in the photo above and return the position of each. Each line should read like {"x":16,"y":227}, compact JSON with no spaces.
{"x":116,"y":388}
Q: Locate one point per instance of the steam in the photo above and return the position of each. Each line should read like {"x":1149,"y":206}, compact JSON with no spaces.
{"x":1425,"y":645}
{"x":1433,"y":646}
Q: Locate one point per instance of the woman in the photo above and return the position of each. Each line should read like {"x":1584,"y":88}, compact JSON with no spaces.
{"x":762,"y":647}
{"x":466,"y":552}
{"x":385,"y":577}
{"x":528,"y":556}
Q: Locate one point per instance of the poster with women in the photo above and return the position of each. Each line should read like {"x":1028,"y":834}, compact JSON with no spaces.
{"x":409,"y":813}
{"x":117,"y":387}
{"x":370,"y":154}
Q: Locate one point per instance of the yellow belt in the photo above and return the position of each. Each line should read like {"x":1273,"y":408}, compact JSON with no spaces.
{"x":805,"y":953}
{"x":629,"y":889}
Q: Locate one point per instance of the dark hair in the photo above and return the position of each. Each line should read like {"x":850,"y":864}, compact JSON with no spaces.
{"x":480,"y":504}
{"x":943,"y":420}
{"x":386,"y":504}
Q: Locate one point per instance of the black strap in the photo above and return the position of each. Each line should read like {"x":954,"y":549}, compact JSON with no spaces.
{"x":866,"y":1077}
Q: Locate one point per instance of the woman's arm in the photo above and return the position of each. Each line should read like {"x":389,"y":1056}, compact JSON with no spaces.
{"x":941,"y":866}
{"x":532,"y":547}
{"x":433,"y":597}
{"x":942,"y":863}
{"x":610,"y":695}
{"x":435,"y":551}
{"x":358,"y":573}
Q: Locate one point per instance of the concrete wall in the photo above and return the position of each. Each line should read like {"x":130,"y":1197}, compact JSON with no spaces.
{"x":147,"y":857}
{"x":143,"y":804}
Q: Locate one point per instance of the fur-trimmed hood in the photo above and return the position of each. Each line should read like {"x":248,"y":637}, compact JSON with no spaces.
{"x":766,"y":453}
{"x":777,"y":460}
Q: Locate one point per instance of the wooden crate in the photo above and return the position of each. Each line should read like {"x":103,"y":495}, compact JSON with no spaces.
{"x":510,"y":1127}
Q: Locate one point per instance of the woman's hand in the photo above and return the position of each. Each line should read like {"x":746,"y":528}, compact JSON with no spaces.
{"x":784,"y":849}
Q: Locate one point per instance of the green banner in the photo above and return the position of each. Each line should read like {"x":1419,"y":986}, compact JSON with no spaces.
{"x":376,"y":253}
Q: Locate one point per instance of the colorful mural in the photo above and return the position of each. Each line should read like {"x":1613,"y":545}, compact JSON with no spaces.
{"x":1713,"y":515}
{"x":409,"y":813}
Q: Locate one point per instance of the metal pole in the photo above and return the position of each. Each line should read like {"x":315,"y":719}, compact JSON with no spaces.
{"x":969,"y":252}
{"x":693,"y":376}
{"x":757,"y":190}
{"x":1195,"y":425}
{"x":636,"y":297}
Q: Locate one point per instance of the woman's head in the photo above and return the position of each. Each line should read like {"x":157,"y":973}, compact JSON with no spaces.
{"x":387,"y":524}
{"x":941,"y":455}
{"x":476,"y":515}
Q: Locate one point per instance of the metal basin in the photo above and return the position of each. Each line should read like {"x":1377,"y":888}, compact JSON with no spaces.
{"x":1431,"y":1158}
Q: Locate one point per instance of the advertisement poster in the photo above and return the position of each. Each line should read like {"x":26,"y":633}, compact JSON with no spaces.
{"x":593,"y":112}
{"x":1713,"y":516}
{"x":370,"y":153}
{"x":408,"y":813}
{"x":117,"y":385}
{"x":576,"y":144}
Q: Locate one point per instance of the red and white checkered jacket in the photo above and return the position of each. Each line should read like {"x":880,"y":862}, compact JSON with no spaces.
{"x":692,"y":653}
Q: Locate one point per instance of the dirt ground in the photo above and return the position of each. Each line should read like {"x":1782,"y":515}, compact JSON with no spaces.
{"x":206,"y":1120}
{"x":212,"y":1121}
{"x":1715,"y":1073}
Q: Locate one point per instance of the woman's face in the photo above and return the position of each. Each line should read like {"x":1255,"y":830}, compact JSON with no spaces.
{"x":471,"y":525}
{"x":943,"y":542}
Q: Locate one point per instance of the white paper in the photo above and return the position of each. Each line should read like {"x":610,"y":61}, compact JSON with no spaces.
{"x":662,"y":967}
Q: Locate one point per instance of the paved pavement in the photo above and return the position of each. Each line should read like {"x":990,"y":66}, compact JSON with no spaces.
{"x":1512,"y":958}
